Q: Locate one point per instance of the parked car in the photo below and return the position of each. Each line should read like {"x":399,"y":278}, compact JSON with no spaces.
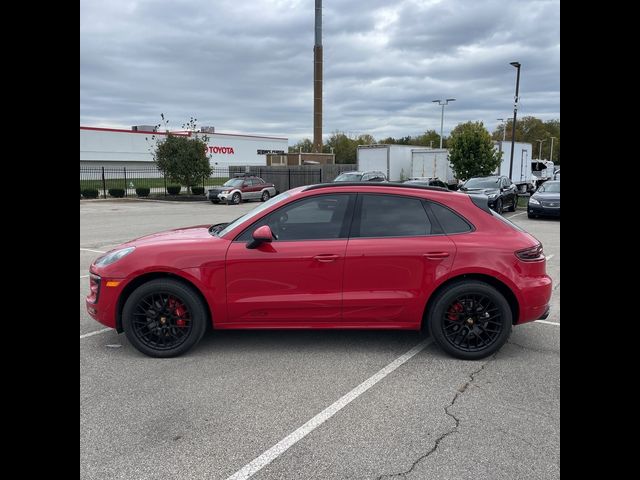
{"x":556,"y":174}
{"x":374,"y":255}
{"x":246,"y":187}
{"x":500,"y":191}
{"x":369,"y":176}
{"x":427,"y":182}
{"x":546,"y":200}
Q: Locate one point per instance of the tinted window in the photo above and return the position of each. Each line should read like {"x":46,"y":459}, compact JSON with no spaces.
{"x":490,"y":182}
{"x":450,"y":221}
{"x":391,"y":216}
{"x":314,"y":218}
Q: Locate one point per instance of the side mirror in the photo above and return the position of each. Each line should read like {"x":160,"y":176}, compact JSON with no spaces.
{"x":261,"y":235}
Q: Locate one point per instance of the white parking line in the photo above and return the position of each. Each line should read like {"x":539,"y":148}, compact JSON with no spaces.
{"x":521,"y":213}
{"x":95,"y":333}
{"x":549,"y":257}
{"x":84,"y":276}
{"x":557,"y":324}
{"x":90,"y":250}
{"x":283,"y":445}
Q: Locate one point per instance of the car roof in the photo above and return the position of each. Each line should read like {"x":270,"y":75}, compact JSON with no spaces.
{"x":382,"y":185}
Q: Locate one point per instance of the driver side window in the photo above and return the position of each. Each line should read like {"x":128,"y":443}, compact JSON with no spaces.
{"x":316,"y":218}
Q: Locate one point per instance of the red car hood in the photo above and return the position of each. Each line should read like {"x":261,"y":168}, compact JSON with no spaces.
{"x":176,"y":235}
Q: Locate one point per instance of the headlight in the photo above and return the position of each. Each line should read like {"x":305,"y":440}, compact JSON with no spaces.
{"x":492,"y":196}
{"x":534,"y":201}
{"x":114,"y":256}
{"x":225,"y":191}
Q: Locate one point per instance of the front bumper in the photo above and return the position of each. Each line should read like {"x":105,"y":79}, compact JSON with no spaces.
{"x":104,"y":309}
{"x":543,"y":211}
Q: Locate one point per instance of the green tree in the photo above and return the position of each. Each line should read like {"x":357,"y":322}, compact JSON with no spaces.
{"x":306,"y":145}
{"x":430,"y":138}
{"x":182,"y":159}
{"x":343,"y":147}
{"x":471,"y":151}
{"x":530,"y":130}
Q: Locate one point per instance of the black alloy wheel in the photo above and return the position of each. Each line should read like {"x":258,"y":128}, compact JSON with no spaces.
{"x":470,"y":320}
{"x":499,"y":205}
{"x":164,"y":318}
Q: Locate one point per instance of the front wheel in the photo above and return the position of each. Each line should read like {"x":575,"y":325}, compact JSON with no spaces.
{"x":164,"y":318}
{"x":470,"y":320}
{"x":265,"y":196}
{"x":235,"y":199}
{"x":515,"y":204}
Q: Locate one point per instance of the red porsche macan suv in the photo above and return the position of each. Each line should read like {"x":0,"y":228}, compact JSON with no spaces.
{"x":339,"y":255}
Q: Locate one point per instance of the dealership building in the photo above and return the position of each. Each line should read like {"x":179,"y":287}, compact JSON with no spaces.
{"x":109,"y":147}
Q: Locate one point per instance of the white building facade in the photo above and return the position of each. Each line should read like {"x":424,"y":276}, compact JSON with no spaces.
{"x":108,"y":147}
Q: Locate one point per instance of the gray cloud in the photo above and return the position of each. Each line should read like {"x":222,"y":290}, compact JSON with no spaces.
{"x":248,"y":66}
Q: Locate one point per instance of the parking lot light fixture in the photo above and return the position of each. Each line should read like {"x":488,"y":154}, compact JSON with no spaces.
{"x":515,"y":114}
{"x":443,"y":103}
{"x":504,"y":128}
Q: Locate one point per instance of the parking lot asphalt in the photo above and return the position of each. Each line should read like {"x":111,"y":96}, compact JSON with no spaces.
{"x":212,"y":411}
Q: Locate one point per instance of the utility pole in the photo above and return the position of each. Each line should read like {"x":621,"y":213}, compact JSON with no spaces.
{"x":551,"y":154}
{"x":517,"y":65}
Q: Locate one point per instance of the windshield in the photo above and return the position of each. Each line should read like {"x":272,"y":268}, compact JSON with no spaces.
{"x":233,"y":182}
{"x":252,"y":213}
{"x":482,"y":183}
{"x":553,"y":187}
{"x":348,"y":177}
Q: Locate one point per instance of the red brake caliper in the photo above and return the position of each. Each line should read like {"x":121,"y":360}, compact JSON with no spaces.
{"x":454,"y":311}
{"x":179,"y":310}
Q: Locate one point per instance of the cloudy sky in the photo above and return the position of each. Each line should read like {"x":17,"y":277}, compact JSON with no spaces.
{"x":247,"y":66}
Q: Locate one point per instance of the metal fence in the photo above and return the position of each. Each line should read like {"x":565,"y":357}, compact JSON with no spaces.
{"x":129,"y":179}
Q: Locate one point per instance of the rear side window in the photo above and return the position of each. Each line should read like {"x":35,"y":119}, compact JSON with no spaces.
{"x":450,"y":221}
{"x":391,"y":216}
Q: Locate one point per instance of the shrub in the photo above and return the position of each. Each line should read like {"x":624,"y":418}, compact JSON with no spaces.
{"x":143,"y":191}
{"x":173,"y":189}
{"x":116,"y":192}
{"x":90,"y":192}
{"x":197,"y":190}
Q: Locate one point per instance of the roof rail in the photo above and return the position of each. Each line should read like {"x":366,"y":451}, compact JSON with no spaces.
{"x":375,"y":184}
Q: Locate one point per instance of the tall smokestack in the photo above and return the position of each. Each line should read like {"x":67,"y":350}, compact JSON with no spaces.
{"x":317,"y":81}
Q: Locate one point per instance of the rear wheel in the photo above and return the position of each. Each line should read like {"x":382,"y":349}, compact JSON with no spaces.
{"x":265,"y":196}
{"x":164,"y":318}
{"x":499,"y":205}
{"x":470,"y":320}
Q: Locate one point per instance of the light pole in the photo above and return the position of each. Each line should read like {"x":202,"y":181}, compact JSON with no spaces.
{"x":540,"y":147}
{"x":504,"y":128}
{"x":551,"y":154}
{"x":515,"y":114}
{"x":446,"y":102}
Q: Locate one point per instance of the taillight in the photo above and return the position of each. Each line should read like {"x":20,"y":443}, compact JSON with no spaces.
{"x":530,"y":254}
{"x":94,"y":288}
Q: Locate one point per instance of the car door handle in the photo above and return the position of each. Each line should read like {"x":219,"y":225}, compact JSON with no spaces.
{"x":326,"y":258}
{"x":436,"y":255}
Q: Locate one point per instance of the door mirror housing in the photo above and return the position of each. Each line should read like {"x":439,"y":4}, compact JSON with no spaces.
{"x":261,"y":235}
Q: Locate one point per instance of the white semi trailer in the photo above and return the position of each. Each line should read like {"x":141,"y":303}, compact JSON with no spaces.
{"x":393,"y":160}
{"x":432,"y":162}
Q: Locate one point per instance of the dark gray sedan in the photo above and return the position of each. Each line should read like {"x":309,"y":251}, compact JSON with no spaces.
{"x":546,"y":201}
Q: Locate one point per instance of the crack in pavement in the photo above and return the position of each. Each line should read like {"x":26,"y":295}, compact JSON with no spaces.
{"x":460,"y":391}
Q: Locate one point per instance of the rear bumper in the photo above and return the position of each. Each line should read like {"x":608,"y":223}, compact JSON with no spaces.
{"x":535,"y":304}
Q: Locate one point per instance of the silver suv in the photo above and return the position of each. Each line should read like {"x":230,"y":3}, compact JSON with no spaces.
{"x":369,"y":176}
